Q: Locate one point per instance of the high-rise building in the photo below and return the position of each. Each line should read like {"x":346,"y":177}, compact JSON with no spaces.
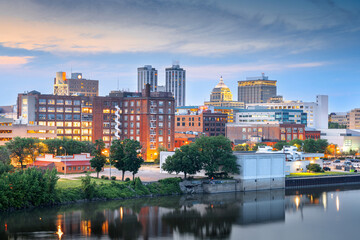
{"x":147,"y":75}
{"x":340,"y":118}
{"x":221,"y":96}
{"x":176,"y":83}
{"x":256,"y":89}
{"x":76,"y":85}
{"x":271,"y":116}
{"x":145,"y":117}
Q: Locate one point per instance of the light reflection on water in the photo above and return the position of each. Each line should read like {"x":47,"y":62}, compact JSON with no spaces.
{"x":254,"y":215}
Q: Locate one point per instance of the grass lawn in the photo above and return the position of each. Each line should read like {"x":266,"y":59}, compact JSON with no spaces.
{"x":74,"y":183}
{"x":318,"y":174}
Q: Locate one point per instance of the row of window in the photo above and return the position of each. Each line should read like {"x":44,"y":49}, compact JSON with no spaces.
{"x":59,"y":109}
{"x":66,"y":124}
{"x":59,"y":101}
{"x":67,"y":117}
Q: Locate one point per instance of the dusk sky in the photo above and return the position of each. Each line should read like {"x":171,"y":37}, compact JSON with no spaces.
{"x":310,"y":47}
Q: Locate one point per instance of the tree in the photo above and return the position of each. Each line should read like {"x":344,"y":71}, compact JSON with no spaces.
{"x":98,"y":161}
{"x":126,"y":156}
{"x":187,"y":159}
{"x":321,"y":145}
{"x":17,"y":149}
{"x":242,"y":147}
{"x":313,"y":167}
{"x":132,"y":157}
{"x":161,"y":148}
{"x":280,"y":145}
{"x":312,"y":146}
{"x":216,"y":155}
{"x":59,"y":146}
{"x":117,"y":156}
{"x":4,"y":155}
{"x":335,"y":125}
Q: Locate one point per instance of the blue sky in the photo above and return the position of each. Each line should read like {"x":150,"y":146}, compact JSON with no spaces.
{"x":311,"y":47}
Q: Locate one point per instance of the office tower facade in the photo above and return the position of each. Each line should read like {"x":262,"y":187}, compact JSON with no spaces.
{"x":175,"y":82}
{"x":147,"y":75}
{"x":76,"y":85}
{"x":256,"y":89}
{"x":147,"y":117}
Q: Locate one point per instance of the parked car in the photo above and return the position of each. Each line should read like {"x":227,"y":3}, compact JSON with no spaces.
{"x":354,"y":160}
{"x":337,"y":161}
{"x":347,"y":162}
{"x":326,"y":169}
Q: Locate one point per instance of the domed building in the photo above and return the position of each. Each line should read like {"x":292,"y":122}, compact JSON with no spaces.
{"x":221,"y":96}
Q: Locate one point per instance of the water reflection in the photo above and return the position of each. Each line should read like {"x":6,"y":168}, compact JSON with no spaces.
{"x":198,"y":216}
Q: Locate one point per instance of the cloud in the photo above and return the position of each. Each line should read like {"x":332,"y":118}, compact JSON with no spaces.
{"x":213,"y":71}
{"x":206,"y":28}
{"x":14,"y":60}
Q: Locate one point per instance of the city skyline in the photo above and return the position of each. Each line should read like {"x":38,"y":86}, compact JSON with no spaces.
{"x":311,"y":48}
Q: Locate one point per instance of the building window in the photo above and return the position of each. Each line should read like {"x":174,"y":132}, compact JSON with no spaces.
{"x":76,"y":110}
{"x":51,"y":116}
{"x":77,"y":102}
{"x":51,"y":109}
{"x":68,"y":131}
{"x":76,"y":117}
{"x":60,"y":109}
{"x":59,"y":124}
{"x":51,"y":101}
{"x":68,"y":117}
{"x":160,"y":139}
{"x":42,"y":101}
{"x":68,"y":110}
{"x":68,"y":124}
{"x":68,"y":102}
{"x":161,"y":110}
{"x":59,"y":101}
{"x":59,"y":117}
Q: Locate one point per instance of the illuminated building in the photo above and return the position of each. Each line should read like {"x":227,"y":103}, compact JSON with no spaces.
{"x":230,"y":111}
{"x":317,"y":112}
{"x":256,"y":89}
{"x":76,"y":85}
{"x":176,"y":83}
{"x":10,"y":131}
{"x":147,"y":75}
{"x":221,"y":96}
{"x":147,"y":117}
{"x":271,"y":116}
{"x":262,"y":132}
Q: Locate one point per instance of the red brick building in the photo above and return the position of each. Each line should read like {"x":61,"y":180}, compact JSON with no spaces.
{"x":146,"y":117}
{"x":313,"y":134}
{"x":207,"y":122}
{"x":77,"y":163}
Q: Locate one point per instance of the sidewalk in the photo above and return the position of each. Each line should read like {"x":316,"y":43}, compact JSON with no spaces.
{"x":146,"y":174}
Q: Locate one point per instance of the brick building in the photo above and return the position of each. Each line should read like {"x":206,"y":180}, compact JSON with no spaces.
{"x":241,"y":133}
{"x":206,"y":122}
{"x":313,"y":134}
{"x":146,"y":117}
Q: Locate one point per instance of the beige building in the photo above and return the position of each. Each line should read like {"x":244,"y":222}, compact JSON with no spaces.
{"x":76,"y":85}
{"x":353,"y":119}
{"x":339,"y":117}
{"x":221,"y":96}
{"x":8,"y":131}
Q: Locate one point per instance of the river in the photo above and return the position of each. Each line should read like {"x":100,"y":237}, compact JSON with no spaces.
{"x":326,"y":213}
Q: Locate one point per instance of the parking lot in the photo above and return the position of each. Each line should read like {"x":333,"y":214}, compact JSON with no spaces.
{"x":342,"y":165}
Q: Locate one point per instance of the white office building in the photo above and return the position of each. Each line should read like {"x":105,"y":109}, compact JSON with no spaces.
{"x":176,"y":83}
{"x":317,"y":112}
{"x":147,"y":74}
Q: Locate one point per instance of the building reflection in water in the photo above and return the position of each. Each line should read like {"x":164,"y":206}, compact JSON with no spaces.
{"x":202,"y":216}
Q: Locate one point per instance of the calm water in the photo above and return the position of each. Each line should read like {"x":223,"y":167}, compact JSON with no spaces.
{"x":331,"y":213}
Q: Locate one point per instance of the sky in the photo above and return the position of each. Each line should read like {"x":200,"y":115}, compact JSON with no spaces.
{"x":310,"y":47}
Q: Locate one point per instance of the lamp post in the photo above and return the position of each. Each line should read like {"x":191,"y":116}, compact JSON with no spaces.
{"x":61,"y":147}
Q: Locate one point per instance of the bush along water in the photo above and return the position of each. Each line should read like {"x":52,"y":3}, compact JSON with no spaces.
{"x":34,"y":187}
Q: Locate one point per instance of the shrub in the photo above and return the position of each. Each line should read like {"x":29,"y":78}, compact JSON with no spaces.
{"x":103,"y":176}
{"x":113,"y":178}
{"x":314,"y":167}
{"x":88,"y":187}
{"x":127,"y":179}
{"x":106,"y":178}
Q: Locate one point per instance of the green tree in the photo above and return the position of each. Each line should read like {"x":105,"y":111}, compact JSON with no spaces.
{"x":117,"y":156}
{"x":280,"y":145}
{"x":242,"y":147}
{"x":336,"y":125}
{"x":187,"y":159}
{"x":132,"y":157}
{"x":98,"y":161}
{"x":310,"y":146}
{"x":161,"y":148}
{"x":313,"y":167}
{"x":321,"y":145}
{"x":4,"y":155}
{"x":17,"y":149}
{"x":216,"y":155}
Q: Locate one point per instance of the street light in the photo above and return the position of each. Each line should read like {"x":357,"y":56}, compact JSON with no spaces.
{"x":61,"y":147}
{"x":106,"y":153}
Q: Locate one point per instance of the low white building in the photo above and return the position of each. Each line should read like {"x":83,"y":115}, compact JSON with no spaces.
{"x":295,"y":161}
{"x":345,"y":139}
